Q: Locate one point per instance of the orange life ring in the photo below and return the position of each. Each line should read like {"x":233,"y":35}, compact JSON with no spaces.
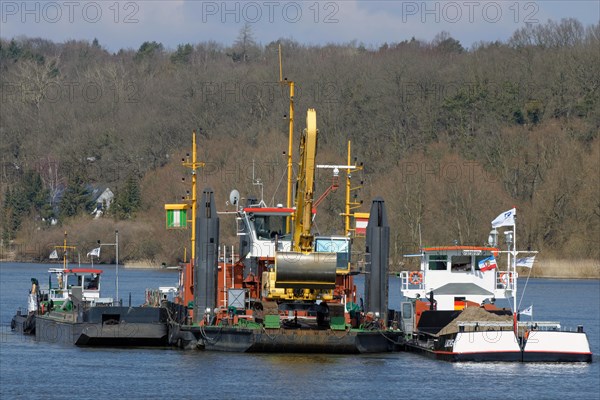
{"x":415,"y":277}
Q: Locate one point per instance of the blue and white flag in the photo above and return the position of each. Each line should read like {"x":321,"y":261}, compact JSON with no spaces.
{"x":487,"y":264}
{"x":95,"y":252}
{"x":526,"y":262}
{"x":527,"y":311}
{"x":505,"y":219}
{"x":53,"y":255}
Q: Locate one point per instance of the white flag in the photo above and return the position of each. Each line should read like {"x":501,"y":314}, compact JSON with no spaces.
{"x":505,"y":219}
{"x":526,"y":262}
{"x":95,"y":252}
{"x":528,"y":311}
{"x":53,"y":255}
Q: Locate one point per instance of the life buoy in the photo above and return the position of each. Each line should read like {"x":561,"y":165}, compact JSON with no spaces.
{"x":415,"y":277}
{"x":504,"y":278}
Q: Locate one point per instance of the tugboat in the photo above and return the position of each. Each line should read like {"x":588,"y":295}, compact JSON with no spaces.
{"x":57,"y":295}
{"x":72,"y":311}
{"x":450,"y":312}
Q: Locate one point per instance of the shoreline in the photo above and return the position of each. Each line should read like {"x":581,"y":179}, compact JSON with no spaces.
{"x":548,"y":269}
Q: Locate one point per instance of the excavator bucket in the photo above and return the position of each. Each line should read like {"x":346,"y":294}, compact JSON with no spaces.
{"x":305,"y":271}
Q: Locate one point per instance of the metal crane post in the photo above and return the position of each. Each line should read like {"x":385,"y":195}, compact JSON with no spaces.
{"x":378,"y":250}
{"x":206,"y":263}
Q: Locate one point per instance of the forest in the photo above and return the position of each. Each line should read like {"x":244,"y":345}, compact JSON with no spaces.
{"x":449,"y":136}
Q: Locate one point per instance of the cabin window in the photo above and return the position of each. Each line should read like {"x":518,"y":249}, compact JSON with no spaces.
{"x":341,"y":246}
{"x":73,"y":281}
{"x":330,"y":245}
{"x":268,"y":226}
{"x":437,"y":262}
{"x":56,"y":281}
{"x":91,"y":282}
{"x":461,"y":264}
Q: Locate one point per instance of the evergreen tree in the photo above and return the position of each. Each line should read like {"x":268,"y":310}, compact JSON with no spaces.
{"x":127,"y":200}
{"x":183,"y":54}
{"x":147,"y":50}
{"x":28,"y":197}
{"x":76,"y":198}
{"x":9,"y":216}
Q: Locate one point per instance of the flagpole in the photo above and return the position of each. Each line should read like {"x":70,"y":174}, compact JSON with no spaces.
{"x":117,"y":261}
{"x":514,"y":272}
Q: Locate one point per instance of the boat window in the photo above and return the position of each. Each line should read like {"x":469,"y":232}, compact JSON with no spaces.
{"x":328,"y":245}
{"x":267,"y":226}
{"x":91,"y":282}
{"x":73,"y":281}
{"x":461,"y":264}
{"x":437,"y":262}
{"x":56,"y":281}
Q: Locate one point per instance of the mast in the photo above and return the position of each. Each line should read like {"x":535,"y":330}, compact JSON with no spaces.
{"x":350,"y":205}
{"x":290,"y":141}
{"x":347,"y":214}
{"x":64,"y":248}
{"x":514,"y":272}
{"x":194,"y":164}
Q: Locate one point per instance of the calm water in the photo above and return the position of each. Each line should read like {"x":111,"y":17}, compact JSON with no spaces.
{"x":29,"y":369}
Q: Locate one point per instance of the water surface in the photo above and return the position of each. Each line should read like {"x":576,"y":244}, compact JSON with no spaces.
{"x":30,"y":369}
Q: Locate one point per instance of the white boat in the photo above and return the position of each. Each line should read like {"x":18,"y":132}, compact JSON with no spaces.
{"x":450,"y":310}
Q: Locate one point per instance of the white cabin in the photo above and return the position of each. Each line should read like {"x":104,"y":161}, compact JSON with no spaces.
{"x":456,"y":274}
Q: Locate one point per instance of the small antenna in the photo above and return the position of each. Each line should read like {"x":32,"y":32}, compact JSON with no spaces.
{"x":258,"y":182}
{"x":280,"y":67}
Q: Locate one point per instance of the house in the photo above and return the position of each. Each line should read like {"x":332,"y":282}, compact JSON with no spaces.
{"x":103,"y":197}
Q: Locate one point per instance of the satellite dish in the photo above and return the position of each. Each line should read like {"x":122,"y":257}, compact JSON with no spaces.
{"x":234,"y":197}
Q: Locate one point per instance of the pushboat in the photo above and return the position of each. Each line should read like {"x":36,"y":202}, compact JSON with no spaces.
{"x":71,"y":310}
{"x":451,"y":312}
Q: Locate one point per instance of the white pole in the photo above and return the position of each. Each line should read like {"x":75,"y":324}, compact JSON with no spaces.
{"x":224,"y":275}
{"x":514,"y":264}
{"x":117,"y":266}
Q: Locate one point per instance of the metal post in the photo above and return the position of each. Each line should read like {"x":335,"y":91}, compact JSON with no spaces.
{"x":117,"y":262}
{"x":348,"y":172}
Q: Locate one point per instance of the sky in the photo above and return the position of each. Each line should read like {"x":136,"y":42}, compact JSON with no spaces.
{"x":127,"y":24}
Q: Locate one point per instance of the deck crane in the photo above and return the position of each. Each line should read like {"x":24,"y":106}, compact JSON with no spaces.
{"x":302,"y":274}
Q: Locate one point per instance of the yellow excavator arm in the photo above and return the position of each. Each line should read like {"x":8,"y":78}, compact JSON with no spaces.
{"x":303,"y":274}
{"x":303,"y":238}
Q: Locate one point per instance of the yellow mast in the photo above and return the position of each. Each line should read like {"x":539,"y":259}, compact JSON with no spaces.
{"x":350,"y":205}
{"x":64,"y":248}
{"x":290,"y":141}
{"x":347,"y":216}
{"x":193,"y":165}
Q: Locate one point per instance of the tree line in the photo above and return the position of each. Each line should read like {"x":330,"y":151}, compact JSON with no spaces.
{"x":450,"y":136}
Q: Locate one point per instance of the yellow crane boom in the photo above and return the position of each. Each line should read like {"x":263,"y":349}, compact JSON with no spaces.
{"x":303,"y":238}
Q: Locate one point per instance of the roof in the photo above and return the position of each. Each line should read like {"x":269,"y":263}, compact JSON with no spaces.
{"x":450,"y":248}
{"x":84,"y":271}
{"x":269,"y":210}
{"x":439,"y":249}
{"x":461,"y":288}
{"x":96,"y":191}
